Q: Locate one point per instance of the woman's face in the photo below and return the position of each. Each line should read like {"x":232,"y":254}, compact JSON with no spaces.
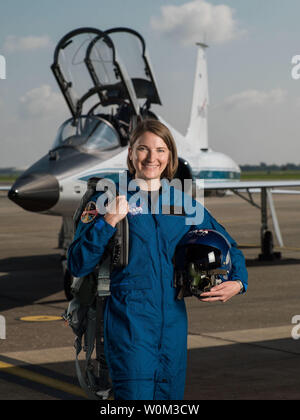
{"x":149,"y":156}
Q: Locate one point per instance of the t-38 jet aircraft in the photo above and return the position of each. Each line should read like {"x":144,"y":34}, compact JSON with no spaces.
{"x":107,"y":81}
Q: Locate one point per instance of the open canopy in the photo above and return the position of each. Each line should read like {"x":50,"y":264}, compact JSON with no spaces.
{"x":84,"y":68}
{"x":131,"y":48}
{"x":106,"y":68}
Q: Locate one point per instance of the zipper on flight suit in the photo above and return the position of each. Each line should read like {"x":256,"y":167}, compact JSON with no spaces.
{"x":161,"y":281}
{"x":160,"y":264}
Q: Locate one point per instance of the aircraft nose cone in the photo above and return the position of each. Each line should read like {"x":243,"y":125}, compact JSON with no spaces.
{"x":35,"y":192}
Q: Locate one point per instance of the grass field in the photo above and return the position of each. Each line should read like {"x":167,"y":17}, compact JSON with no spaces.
{"x":270,"y":175}
{"x":8,"y":178}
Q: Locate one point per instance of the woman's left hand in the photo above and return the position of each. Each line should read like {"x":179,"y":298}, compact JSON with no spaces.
{"x":222,"y":293}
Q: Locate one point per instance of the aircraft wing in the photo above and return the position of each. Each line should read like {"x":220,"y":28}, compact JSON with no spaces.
{"x":266,"y":188}
{"x":245,"y":185}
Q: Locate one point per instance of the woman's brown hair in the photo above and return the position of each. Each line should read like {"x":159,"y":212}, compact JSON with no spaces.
{"x":160,"y":130}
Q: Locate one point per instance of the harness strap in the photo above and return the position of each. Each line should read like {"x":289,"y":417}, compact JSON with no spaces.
{"x":104,"y":380}
{"x":95,"y":386}
{"x":80,"y":377}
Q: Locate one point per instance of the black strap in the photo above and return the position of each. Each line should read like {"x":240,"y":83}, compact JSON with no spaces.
{"x":103,"y":373}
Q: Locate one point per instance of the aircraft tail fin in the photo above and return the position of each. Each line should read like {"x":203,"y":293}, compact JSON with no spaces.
{"x":197,"y":129}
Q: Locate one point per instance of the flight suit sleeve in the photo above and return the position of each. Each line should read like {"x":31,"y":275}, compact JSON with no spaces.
{"x":88,"y":245}
{"x":239,"y":271}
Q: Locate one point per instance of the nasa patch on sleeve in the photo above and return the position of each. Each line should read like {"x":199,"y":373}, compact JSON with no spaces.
{"x":89,"y":213}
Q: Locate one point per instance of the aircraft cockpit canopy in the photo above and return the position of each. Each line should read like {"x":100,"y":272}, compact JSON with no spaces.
{"x":86,"y":66}
{"x":90,"y":133}
{"x":131,"y":50}
{"x":93,"y":68}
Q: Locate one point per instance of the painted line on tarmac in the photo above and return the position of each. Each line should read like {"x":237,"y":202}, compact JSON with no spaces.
{"x":40,"y":318}
{"x":287,"y":248}
{"x":248,"y":246}
{"x":14,"y":370}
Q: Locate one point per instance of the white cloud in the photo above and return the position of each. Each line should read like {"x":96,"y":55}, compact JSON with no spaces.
{"x":13,"y":43}
{"x":197,"y":21}
{"x":41,"y":102}
{"x":253,"y":97}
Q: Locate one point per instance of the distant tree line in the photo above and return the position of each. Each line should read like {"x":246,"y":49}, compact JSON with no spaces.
{"x":10,"y":171}
{"x":273,"y":167}
{"x":245,"y":168}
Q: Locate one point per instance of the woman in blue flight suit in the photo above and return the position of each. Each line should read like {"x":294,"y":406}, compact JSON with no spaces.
{"x":145,"y":326}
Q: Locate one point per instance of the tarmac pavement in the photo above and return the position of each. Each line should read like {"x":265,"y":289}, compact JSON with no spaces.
{"x":241,"y":349}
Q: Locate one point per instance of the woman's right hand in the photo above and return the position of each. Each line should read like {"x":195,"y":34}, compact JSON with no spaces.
{"x":116,"y":210}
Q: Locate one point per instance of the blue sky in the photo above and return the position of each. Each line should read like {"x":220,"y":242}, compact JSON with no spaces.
{"x":254,"y":102}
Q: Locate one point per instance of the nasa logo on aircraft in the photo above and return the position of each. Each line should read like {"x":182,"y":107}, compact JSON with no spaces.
{"x":202,"y":109}
{"x":89,"y":213}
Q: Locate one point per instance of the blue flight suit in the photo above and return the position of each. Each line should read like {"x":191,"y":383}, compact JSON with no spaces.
{"x":145,"y":327}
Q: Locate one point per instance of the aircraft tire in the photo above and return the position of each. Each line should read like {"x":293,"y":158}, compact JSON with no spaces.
{"x":268,"y":243}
